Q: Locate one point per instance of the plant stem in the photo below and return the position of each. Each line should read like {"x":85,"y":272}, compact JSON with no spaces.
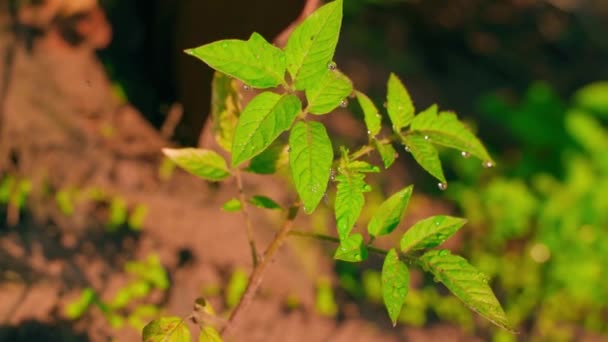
{"x":323,"y":237}
{"x":245,"y":210}
{"x":255,"y":279}
{"x":367,"y":149}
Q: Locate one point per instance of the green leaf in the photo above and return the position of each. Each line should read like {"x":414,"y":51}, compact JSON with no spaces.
{"x":445,"y":129}
{"x":349,"y":201}
{"x":430,"y":232}
{"x":593,"y":97}
{"x":390,"y":212}
{"x":209,"y":334}
{"x":78,"y":307}
{"x":232,"y":206}
{"x":399,"y":104}
{"x":373,"y":119}
{"x":256,"y":62}
{"x":225,"y":109}
{"x":466,"y":283}
{"x":310,"y":160}
{"x":329,"y":92}
{"x":311,"y":46}
{"x":263,"y":120}
{"x":425,"y":154}
{"x":361,"y":166}
{"x":387,"y":153}
{"x":166,"y":329}
{"x":236,"y":287}
{"x":264,"y":202}
{"x":351,"y":249}
{"x":395,"y":284}
{"x":270,"y":160}
{"x":202,"y":163}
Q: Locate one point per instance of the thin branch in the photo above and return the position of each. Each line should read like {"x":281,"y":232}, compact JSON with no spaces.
{"x":255,"y":279}
{"x":246,"y":216}
{"x":333,"y":239}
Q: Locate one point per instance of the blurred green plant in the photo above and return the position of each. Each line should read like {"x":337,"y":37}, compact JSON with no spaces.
{"x":305,"y":69}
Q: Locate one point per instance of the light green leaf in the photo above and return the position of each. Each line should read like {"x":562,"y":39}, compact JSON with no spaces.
{"x":466,"y":283}
{"x":361,"y":166}
{"x":329,"y":92}
{"x":390,"y":212}
{"x":351,"y":249}
{"x":430,"y":232}
{"x":310,"y":161}
{"x":236,"y":287}
{"x":202,"y":163}
{"x":425,"y":154}
{"x":256,"y":62}
{"x":209,"y":334}
{"x":231,"y":206}
{"x":78,"y":307}
{"x":264,"y":202}
{"x":395,"y":284}
{"x":445,"y":129}
{"x":311,"y":46}
{"x":373,"y":119}
{"x":263,"y":120}
{"x":399,"y":104}
{"x":272,"y":159}
{"x":349,"y":201}
{"x":387,"y":153}
{"x":225,"y":109}
{"x":167,"y":329}
{"x":593,"y":97}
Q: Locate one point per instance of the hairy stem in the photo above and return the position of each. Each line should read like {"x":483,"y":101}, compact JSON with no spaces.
{"x":255,"y":279}
{"x":245,"y":210}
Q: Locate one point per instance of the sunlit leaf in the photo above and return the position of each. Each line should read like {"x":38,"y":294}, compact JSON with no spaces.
{"x":351,"y":249}
{"x":328,"y":93}
{"x":399,"y":104}
{"x":425,"y":154}
{"x":225,"y":109}
{"x":209,"y":334}
{"x":167,"y":329}
{"x":387,"y":153}
{"x":466,"y":283}
{"x":430,"y":232}
{"x":312,"y":43}
{"x":232,"y":205}
{"x":372,"y":117}
{"x":205,"y":164}
{"x":262,"y":121}
{"x":361,"y":166}
{"x":256,"y":62}
{"x":390,"y":212}
{"x":395,"y":284}
{"x":236,"y":287}
{"x":310,"y":160}
{"x":349,"y":201}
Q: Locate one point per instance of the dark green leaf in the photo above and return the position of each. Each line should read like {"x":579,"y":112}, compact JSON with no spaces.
{"x":390,"y":212}
{"x":399,"y":104}
{"x":263,"y":120}
{"x":310,"y":160}
{"x":256,"y":62}
{"x":430,"y":232}
{"x":311,"y":46}
{"x":395,"y":284}
{"x":387,"y":153}
{"x":202,"y":163}
{"x":264,"y":202}
{"x":270,"y":160}
{"x":445,"y":129}
{"x":425,"y":154}
{"x":373,"y":119}
{"x":351,"y":249}
{"x":466,"y":283}
{"x":328,"y":93}
{"x":167,"y":329}
{"x":225,"y":109}
{"x":349,"y":201}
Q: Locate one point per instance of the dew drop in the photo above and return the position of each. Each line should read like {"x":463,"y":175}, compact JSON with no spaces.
{"x":442,"y":186}
{"x":246,"y":87}
{"x":465,"y":154}
{"x":332,"y":65}
{"x":426,"y":137}
{"x":332,"y":175}
{"x":488,"y":164}
{"x":344,"y":103}
{"x":369,"y":132}
{"x":406,"y":148}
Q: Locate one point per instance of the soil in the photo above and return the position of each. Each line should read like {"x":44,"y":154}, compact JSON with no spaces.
{"x":62,"y":125}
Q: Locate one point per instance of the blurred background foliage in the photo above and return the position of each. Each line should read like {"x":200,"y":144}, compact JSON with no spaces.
{"x":527,"y":75}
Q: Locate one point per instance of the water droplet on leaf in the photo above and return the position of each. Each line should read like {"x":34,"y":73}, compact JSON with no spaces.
{"x":488,"y":164}
{"x":344,"y":103}
{"x":407,"y":148}
{"x":246,"y":87}
{"x":332,"y":65}
{"x":465,"y":154}
{"x":426,"y":137}
{"x":442,"y":186}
